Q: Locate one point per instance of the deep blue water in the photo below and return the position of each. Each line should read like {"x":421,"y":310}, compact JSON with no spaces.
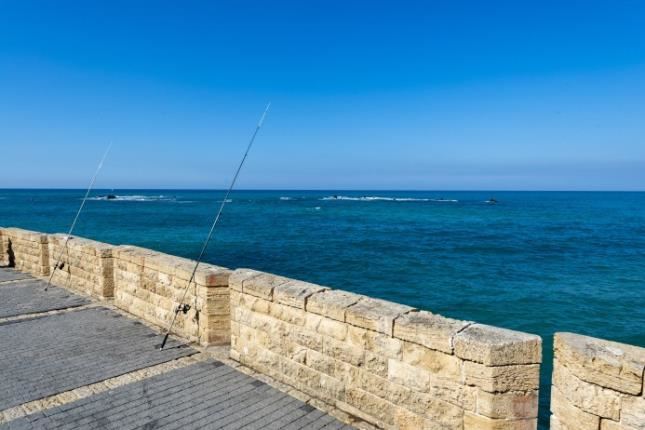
{"x":539,"y":262}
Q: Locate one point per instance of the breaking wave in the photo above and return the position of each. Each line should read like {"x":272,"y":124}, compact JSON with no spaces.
{"x":387,"y":199}
{"x":134,"y":198}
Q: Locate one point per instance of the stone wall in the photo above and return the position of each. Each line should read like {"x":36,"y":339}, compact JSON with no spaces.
{"x":597,"y":384}
{"x":84,"y":265}
{"x":26,"y":250}
{"x":384,"y":363}
{"x":150,"y":285}
{"x":4,"y":248}
{"x":146,"y":283}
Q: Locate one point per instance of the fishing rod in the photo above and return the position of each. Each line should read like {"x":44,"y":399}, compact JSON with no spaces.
{"x":185,"y":307}
{"x":58,"y":264}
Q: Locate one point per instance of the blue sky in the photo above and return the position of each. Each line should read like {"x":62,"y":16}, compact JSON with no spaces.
{"x":369,"y":95}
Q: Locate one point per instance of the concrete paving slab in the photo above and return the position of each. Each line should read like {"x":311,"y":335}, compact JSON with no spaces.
{"x":8,"y":274}
{"x":51,"y":354}
{"x":28,"y":297}
{"x":206,"y":395}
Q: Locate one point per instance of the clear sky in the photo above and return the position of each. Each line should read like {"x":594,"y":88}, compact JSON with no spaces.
{"x":534,"y":95}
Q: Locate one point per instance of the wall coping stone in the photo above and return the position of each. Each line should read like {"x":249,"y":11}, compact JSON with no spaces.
{"x":495,"y":346}
{"x":609,"y":364}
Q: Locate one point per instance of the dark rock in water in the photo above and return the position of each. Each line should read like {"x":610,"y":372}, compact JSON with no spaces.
{"x":110,"y":197}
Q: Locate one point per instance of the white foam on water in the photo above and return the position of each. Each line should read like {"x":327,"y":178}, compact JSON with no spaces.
{"x":387,"y":199}
{"x":135,"y":198}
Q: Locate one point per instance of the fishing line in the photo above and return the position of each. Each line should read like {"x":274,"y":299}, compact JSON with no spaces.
{"x":184,"y":307}
{"x":71,"y":229}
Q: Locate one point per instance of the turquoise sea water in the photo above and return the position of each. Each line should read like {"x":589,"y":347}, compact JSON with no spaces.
{"x":539,"y":262}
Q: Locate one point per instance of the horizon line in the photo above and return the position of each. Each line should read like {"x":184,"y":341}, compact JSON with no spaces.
{"x":333,"y":190}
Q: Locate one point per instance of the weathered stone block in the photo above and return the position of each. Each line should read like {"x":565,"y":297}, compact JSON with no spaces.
{"x":332,"y":328}
{"x":522,"y":377}
{"x":443,"y":413}
{"x":369,"y":404}
{"x":633,"y":412}
{"x":441,"y":364}
{"x":287,"y":314}
{"x":509,"y":405}
{"x":479,"y":422}
{"x":331,"y":303}
{"x":608,"y":364}
{"x":343,"y":352}
{"x":295,"y":293}
{"x":409,"y":376}
{"x":262,"y":285}
{"x":495,"y":346}
{"x":238,"y":277}
{"x":374,"y":314}
{"x":428,"y":329}
{"x":588,"y":397}
{"x":569,"y":415}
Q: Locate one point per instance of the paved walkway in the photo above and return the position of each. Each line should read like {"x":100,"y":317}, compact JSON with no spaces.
{"x":47,"y":354}
{"x":11,"y":275}
{"x":29,"y":297}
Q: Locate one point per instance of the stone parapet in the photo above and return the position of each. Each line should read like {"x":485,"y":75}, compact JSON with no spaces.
{"x":83,"y":265}
{"x":597,"y":384}
{"x":26,"y":250}
{"x":151,"y":285}
{"x":4,"y":249}
{"x":387,"y":364}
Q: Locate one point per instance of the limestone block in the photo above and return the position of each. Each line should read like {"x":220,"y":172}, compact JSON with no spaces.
{"x":606,"y":424}
{"x":509,"y":405}
{"x":238,"y":277}
{"x":495,"y":346}
{"x":287,"y":314}
{"x":331,"y":303}
{"x":440,"y":364}
{"x":312,"y":382}
{"x":588,"y":397}
{"x":307,"y":338}
{"x":295,"y":293}
{"x":376,"y":364}
{"x":409,"y":376}
{"x":474,"y":421}
{"x":320,"y":362}
{"x":608,"y":364}
{"x":375,"y":342}
{"x":428,"y":329}
{"x":343,"y":351}
{"x":569,"y":415}
{"x":374,"y":314}
{"x":633,"y":412}
{"x":262,"y":285}
{"x":406,"y":420}
{"x":443,"y":413}
{"x":212,"y":276}
{"x":368,"y":404}
{"x":332,"y":328}
{"x":523,"y":377}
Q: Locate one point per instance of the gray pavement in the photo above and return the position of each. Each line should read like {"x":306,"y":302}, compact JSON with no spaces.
{"x":29,"y":297}
{"x":206,"y":395}
{"x":43,"y":355}
{"x":48,"y":355}
{"x":8,"y":274}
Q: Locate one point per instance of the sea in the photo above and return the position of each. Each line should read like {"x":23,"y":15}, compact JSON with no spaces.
{"x":539,"y":262}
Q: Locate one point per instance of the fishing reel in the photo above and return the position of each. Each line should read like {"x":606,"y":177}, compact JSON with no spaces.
{"x":185,"y":307}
